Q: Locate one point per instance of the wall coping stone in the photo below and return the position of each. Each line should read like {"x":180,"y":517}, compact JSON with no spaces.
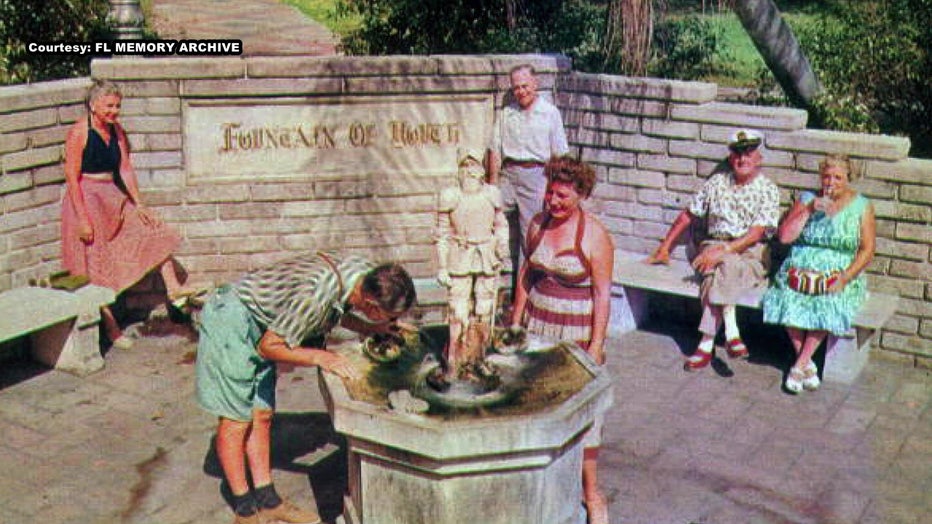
{"x":44,"y":94}
{"x":543,"y":63}
{"x":750,"y":116}
{"x":639,"y":87}
{"x":884,"y":147}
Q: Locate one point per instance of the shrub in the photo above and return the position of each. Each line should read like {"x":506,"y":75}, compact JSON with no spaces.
{"x":873,"y":61}
{"x":688,"y":48}
{"x":23,"y":21}
{"x":571,"y":27}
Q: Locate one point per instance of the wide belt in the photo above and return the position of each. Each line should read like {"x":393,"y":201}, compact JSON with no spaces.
{"x":526,"y":164}
{"x":98,"y":177}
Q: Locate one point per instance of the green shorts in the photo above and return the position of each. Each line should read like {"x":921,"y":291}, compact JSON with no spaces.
{"x":231,"y":378}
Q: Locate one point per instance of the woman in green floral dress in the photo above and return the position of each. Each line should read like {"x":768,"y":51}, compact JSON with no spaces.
{"x":820,"y":285}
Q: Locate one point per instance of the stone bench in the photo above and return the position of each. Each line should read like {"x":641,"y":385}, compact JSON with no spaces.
{"x":633,"y":281}
{"x":61,"y":325}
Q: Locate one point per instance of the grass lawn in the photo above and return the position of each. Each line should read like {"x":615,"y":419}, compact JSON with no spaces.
{"x":745,"y":59}
{"x":328,"y":13}
{"x":740,"y":49}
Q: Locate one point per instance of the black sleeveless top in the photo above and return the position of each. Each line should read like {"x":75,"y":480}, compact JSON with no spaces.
{"x":98,"y":156}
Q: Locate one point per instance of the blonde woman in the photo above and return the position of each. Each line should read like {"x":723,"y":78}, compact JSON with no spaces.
{"x":107,"y":233}
{"x":821,"y":284}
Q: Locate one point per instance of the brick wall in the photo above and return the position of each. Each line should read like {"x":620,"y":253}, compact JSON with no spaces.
{"x":653,"y":142}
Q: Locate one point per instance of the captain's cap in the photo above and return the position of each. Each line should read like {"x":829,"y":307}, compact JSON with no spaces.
{"x":745,"y":140}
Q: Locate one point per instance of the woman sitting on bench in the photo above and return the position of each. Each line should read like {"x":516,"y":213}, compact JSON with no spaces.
{"x":821,"y":285}
{"x":107,"y":234}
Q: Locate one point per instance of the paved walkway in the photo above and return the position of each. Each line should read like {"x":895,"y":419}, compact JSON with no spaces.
{"x":266,"y":27}
{"x":129,"y":445}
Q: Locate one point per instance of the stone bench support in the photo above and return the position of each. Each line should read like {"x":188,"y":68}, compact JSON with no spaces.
{"x":62,"y":325}
{"x":633,"y":281}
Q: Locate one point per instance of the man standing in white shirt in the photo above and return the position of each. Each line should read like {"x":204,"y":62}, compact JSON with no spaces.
{"x":527,"y":133}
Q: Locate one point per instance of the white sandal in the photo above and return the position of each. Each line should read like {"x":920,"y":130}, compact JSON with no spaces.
{"x":811,"y":380}
{"x":123,"y":342}
{"x":794,"y":380}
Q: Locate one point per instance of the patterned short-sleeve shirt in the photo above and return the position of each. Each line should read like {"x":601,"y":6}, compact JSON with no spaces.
{"x":731,"y":209}
{"x":301,"y":297}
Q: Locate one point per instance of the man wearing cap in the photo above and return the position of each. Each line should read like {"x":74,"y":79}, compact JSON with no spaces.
{"x":279,"y":315}
{"x":741,"y":208}
{"x":527,"y":133}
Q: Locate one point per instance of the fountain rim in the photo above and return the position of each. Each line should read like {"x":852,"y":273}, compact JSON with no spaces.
{"x":440,"y":438}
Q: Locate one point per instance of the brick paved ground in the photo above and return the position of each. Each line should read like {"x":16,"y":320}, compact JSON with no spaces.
{"x":129,"y":445}
{"x":266,"y":27}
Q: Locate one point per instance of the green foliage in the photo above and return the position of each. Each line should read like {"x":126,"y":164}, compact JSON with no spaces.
{"x":689,"y":48}
{"x":577,"y":31}
{"x":423,"y":26}
{"x":24,"y":21}
{"x":873,"y":59}
{"x":571,"y":27}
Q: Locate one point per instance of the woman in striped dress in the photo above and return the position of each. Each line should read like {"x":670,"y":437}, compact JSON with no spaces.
{"x":564,"y":286}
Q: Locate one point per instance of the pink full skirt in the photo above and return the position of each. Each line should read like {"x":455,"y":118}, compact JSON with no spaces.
{"x":124,"y":249}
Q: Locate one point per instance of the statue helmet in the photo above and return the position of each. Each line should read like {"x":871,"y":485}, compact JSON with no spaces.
{"x":470,"y":165}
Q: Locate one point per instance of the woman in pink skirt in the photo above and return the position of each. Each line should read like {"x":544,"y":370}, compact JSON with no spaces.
{"x":107,"y":234}
{"x":564,"y":287}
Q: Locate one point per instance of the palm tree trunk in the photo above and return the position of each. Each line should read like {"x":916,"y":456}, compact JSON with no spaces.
{"x":781,"y":52}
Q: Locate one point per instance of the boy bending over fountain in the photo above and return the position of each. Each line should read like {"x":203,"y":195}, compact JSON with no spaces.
{"x":471,"y":245}
{"x":269,"y":317}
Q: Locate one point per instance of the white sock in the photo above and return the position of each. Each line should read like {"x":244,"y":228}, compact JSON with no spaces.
{"x":705,"y":345}
{"x":731,"y":322}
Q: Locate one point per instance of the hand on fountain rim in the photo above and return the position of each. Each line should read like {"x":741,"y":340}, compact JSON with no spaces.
{"x":337,"y":364}
{"x":597,"y":352}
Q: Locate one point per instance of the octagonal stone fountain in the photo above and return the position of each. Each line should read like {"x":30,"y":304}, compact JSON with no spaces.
{"x":517,"y":461}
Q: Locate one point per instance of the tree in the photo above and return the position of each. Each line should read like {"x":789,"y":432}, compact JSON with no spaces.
{"x":629,"y":32}
{"x":780,"y":50}
{"x":22,"y":22}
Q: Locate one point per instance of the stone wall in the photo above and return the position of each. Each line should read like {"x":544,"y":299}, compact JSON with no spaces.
{"x":653,"y":142}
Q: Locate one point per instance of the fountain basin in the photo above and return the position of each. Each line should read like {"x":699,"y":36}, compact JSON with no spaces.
{"x":507,"y":465}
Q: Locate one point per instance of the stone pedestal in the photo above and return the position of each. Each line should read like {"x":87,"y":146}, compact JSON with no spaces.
{"x":406,"y":468}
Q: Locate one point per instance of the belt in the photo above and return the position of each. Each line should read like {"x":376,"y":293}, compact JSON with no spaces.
{"x":722,"y":236}
{"x":98,"y":177}
{"x":510,"y":162}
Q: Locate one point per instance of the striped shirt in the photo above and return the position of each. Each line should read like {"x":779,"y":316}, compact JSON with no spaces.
{"x":301,"y":297}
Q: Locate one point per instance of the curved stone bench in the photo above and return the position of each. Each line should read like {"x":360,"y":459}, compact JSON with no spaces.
{"x":633,"y":281}
{"x":62,"y":325}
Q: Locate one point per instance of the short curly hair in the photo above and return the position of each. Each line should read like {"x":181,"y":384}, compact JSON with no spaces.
{"x":842,"y":161}
{"x":570,"y":170}
{"x":100,"y":89}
